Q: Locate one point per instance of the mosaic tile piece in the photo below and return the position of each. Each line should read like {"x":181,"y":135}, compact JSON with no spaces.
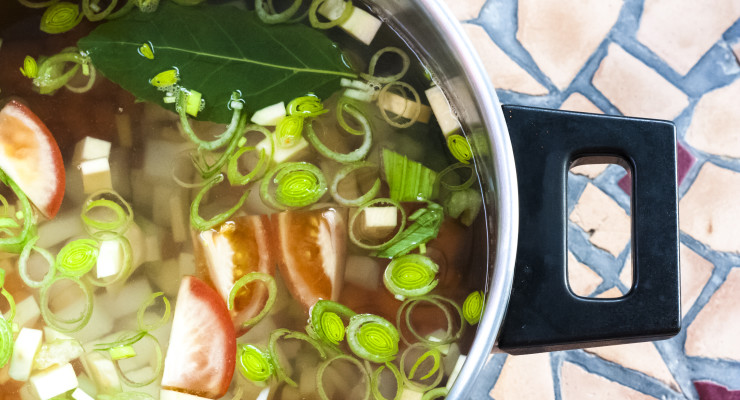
{"x":582,"y":279}
{"x":709,"y":210}
{"x":695,"y":273}
{"x":684,"y":161}
{"x":502,"y":70}
{"x":465,"y":10}
{"x":714,"y":332}
{"x":603,"y":219}
{"x":714,"y":126}
{"x":591,"y":171}
{"x":626,"y":275}
{"x":736,"y":50}
{"x":613,"y":293}
{"x":580,"y":103}
{"x":681,"y":31}
{"x":711,"y":391}
{"x":562,"y":34}
{"x":642,"y":357}
{"x":525,"y":377}
{"x":636,"y":89}
{"x":579,"y":384}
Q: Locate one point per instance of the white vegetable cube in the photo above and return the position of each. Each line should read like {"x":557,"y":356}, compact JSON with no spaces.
{"x":103,"y":372}
{"x":442,"y":111}
{"x":110,"y":259}
{"x":361,"y":25}
{"x":127,"y":300}
{"x":27,"y":312}
{"x":165,"y":394}
{"x":90,"y":148}
{"x":411,"y":394}
{"x":95,"y":175}
{"x":53,"y":381}
{"x":80,"y":394}
{"x":26,"y":345}
{"x":380,"y":221}
{"x":455,"y":371}
{"x":52,"y":334}
{"x":406,"y":108}
{"x":283,"y":154}
{"x":270,"y":115}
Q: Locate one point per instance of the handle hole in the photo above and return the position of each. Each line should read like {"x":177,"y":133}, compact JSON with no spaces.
{"x":599,"y":228}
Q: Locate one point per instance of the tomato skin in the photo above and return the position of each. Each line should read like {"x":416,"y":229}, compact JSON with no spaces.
{"x":202,"y":352}
{"x":311,"y":252}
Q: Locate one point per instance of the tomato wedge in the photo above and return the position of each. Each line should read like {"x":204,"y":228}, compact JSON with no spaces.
{"x":236,"y":248}
{"x":311,"y":250}
{"x":202,"y":352}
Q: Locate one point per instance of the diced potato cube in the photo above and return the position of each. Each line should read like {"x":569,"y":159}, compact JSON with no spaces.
{"x":442,"y":111}
{"x":406,"y":108}
{"x":270,"y":115}
{"x":284,"y":154}
{"x":53,"y":381}
{"x":26,"y":345}
{"x":110,"y":259}
{"x":27,"y":312}
{"x":90,"y":148}
{"x":95,"y":175}
{"x":103,"y":372}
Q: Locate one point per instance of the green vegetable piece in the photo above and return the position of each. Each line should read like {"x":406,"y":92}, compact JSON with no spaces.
{"x":146,"y":51}
{"x":122,"y":352}
{"x":216,"y":54}
{"x":464,"y":204}
{"x":408,"y":180}
{"x":30,"y":69}
{"x":193,"y":102}
{"x":425,"y":228}
{"x":60,"y":17}
{"x":254,"y":363}
{"x":165,"y":78}
{"x":472,"y":308}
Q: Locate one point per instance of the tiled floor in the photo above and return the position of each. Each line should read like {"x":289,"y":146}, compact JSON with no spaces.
{"x":676,"y":60}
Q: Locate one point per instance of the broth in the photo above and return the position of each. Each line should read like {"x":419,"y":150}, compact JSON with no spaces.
{"x":306,"y":249}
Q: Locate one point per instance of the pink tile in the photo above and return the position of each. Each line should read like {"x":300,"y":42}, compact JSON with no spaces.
{"x":695,"y":273}
{"x":579,"y":384}
{"x":709,"y":211}
{"x":606,"y":222}
{"x":714,"y":332}
{"x":579,"y":102}
{"x":681,"y":31}
{"x":642,"y":357}
{"x":562,"y":34}
{"x":714,"y":125}
{"x":525,"y":377}
{"x":636,"y":89}
{"x":712,"y":391}
{"x":502,"y":70}
{"x":684,"y":162}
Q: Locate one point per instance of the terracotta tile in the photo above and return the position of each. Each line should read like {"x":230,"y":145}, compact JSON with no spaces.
{"x":636,"y":89}
{"x":465,"y":10}
{"x":591,"y":171}
{"x":709,"y":210}
{"x":579,"y":102}
{"x":582,"y":279}
{"x":503,"y":71}
{"x":681,"y":31}
{"x":525,"y":377}
{"x":613,"y":293}
{"x":714,"y":126}
{"x":579,"y":384}
{"x":600,"y":216}
{"x":562,"y":34}
{"x":684,"y":159}
{"x":642,"y":357}
{"x":695,"y":273}
{"x":714,"y":332}
{"x":625,"y":276}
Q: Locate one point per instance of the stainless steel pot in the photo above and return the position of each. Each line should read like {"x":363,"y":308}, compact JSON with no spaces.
{"x":533,"y":310}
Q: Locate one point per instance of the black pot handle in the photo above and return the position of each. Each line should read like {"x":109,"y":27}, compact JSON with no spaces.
{"x":543,"y":314}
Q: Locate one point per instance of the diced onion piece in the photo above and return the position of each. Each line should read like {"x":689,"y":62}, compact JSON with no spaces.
{"x":53,"y":381}
{"x":270,"y":115}
{"x":442,"y":111}
{"x":27,"y":344}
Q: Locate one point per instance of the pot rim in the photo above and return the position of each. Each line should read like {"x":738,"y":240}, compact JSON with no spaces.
{"x":505,"y":198}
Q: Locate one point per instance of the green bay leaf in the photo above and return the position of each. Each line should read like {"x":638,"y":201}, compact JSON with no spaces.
{"x":217,"y":50}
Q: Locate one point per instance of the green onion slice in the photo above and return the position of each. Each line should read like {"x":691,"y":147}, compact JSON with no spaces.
{"x":440,"y":392}
{"x":299,"y":184}
{"x":314,"y":19}
{"x":158,"y":363}
{"x":202,"y":224}
{"x":142,"y":310}
{"x":460,"y":148}
{"x":436,"y":357}
{"x":344,"y":158}
{"x":6,"y":341}
{"x":468,"y":182}
{"x":91,"y":73}
{"x":14,"y":241}
{"x":345,"y":172}
{"x":411,"y":275}
{"x":326,"y":321}
{"x":126,"y":261}
{"x":408,"y":180}
{"x":92,"y":15}
{"x":353,"y":220}
{"x":77,"y":257}
{"x":403,"y":87}
{"x":130,"y":4}
{"x":472,"y":308}
{"x":236,"y":178}
{"x":41,"y":4}
{"x":66,"y":325}
{"x":11,"y":303}
{"x":30,"y":68}
{"x":351,"y":360}
{"x":405,"y":63}
{"x":52,"y":74}
{"x":345,"y":105}
{"x":268,"y":16}
{"x":222,"y":139}
{"x":375,"y":381}
{"x":288,"y":334}
{"x":60,"y":17}
{"x":451,"y":335}
{"x":372,"y":338}
{"x":306,"y":106}
{"x":289,"y":130}
{"x":121,"y":352}
{"x":269,"y":282}
{"x":209,"y":170}
{"x":106,"y":213}
{"x":23,"y":265}
{"x":127,"y":339}
{"x":254,"y":363}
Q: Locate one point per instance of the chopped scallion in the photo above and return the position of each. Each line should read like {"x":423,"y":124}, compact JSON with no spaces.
{"x":372,"y":338}
{"x":411,"y":275}
{"x":473,"y":307}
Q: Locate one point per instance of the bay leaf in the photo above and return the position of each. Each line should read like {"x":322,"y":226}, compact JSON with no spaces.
{"x":217,"y":50}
